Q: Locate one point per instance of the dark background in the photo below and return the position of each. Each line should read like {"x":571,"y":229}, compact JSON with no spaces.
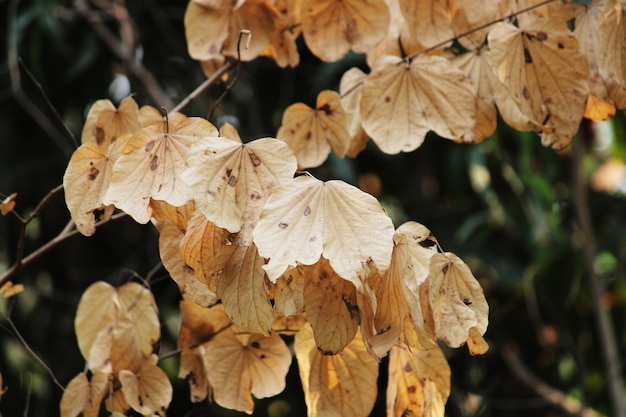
{"x":517,"y":230}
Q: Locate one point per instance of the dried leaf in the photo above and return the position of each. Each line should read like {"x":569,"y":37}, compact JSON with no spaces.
{"x":306,"y":218}
{"x":289,"y":293}
{"x":104,"y":123}
{"x":310,"y":133}
{"x":350,"y":88}
{"x":149,"y":391}
{"x":331,"y":307}
{"x":7,"y":205}
{"x":457,"y":300}
{"x":8,"y":290}
{"x":430,"y":21}
{"x":83,"y":397}
{"x":206,"y":29}
{"x":402,"y":102}
{"x":330,"y":28}
{"x":342,"y":385}
{"x":476,"y":343}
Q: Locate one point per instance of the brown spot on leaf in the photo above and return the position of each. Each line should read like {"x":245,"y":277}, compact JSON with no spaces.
{"x":307,"y":211}
{"x":560,"y":45}
{"x":407,"y":367}
{"x":312,"y":239}
{"x":527,"y":57}
{"x":255,"y":345}
{"x":308,"y":136}
{"x":326,"y":109}
{"x":99,"y":134}
{"x":228,"y":172}
{"x":93,"y":173}
{"x":542,"y":36}
{"x":149,"y":146}
{"x":411,"y":389}
{"x":283,"y":225}
{"x":254,"y":159}
{"x":153,"y":163}
{"x":466,"y":301}
{"x":255,"y":196}
{"x":232,"y":180}
{"x":526,"y":93}
{"x":387,"y":99}
{"x":445,"y":268}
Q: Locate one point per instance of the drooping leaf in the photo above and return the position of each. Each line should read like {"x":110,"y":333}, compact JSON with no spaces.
{"x":289,"y":293}
{"x":331,"y":307}
{"x":342,"y":385}
{"x":612,"y":32}
{"x":104,"y":123}
{"x":282,"y":47}
{"x":148,"y":391}
{"x":306,"y":218}
{"x":330,"y":28}
{"x":231,"y":182}
{"x":206,"y":28}
{"x":163,"y":212}
{"x":471,"y":14}
{"x":419,"y":382}
{"x":83,"y":397}
{"x":7,"y":205}
{"x":457,"y":300}
{"x":151,"y":165}
{"x":430,"y":21}
{"x":243,"y":292}
{"x":310,"y":133}
{"x":350,"y":88}
{"x":401,"y":102}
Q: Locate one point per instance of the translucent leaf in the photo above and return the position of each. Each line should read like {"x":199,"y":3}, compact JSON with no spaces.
{"x":242,"y":290}
{"x":231,"y":182}
{"x":350,"y":89}
{"x":289,"y":293}
{"x":330,"y":28}
{"x":430,"y":21}
{"x":310,"y":133}
{"x":306,"y":218}
{"x":188,"y":283}
{"x":163,"y":212}
{"x":401,"y":102}
{"x":419,"y":382}
{"x":342,"y":385}
{"x":457,"y":300}
{"x":240,"y":365}
{"x":545,"y":72}
{"x":149,"y":391}
{"x":151,"y":165}
{"x":104,"y":123}
{"x":471,"y":14}
{"x":331,"y":307}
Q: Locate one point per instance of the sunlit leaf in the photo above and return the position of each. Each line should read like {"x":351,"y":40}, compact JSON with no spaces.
{"x":430,"y":21}
{"x":310,"y":133}
{"x":231,"y":182}
{"x":471,"y":14}
{"x":419,"y":382}
{"x":289,"y":292}
{"x":104,"y":123}
{"x":457,"y":300}
{"x":163,"y":212}
{"x":331,"y":307}
{"x":306,"y":218}
{"x":151,"y":165}
{"x":206,"y":29}
{"x":242,"y":290}
{"x":350,"y":88}
{"x":7,"y":205}
{"x":330,"y":28}
{"x":476,"y":343}
{"x":342,"y":385}
{"x":401,"y":102}
{"x":8,"y":290}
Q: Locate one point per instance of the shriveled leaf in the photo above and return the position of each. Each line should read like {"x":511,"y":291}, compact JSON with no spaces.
{"x":104,"y":123}
{"x":430,"y":21}
{"x":419,"y":382}
{"x":8,"y":290}
{"x":330,"y":28}
{"x":401,"y":102}
{"x":545,"y":72}
{"x":342,"y":385}
{"x":457,"y":300}
{"x":231,"y":182}
{"x":241,"y":365}
{"x":242,"y":290}
{"x":7,"y":205}
{"x":331,"y":307}
{"x":306,"y":218}
{"x":151,"y":165}
{"x":188,"y":283}
{"x":476,"y":343}
{"x":310,"y":133}
{"x":205,"y":249}
{"x":289,"y":293}
{"x":149,"y":391}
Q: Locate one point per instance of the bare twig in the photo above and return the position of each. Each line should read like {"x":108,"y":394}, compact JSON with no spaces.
{"x":605,"y":328}
{"x":16,"y":86}
{"x":30,"y":350}
{"x":125,"y":55}
{"x":237,"y":74}
{"x":553,"y":396}
{"x":195,"y":344}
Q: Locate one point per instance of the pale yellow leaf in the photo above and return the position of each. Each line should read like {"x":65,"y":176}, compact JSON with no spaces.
{"x":231,"y":182}
{"x":151,"y":165}
{"x":306,"y":218}
{"x":545,"y":72}
{"x":342,"y":385}
{"x":430,"y":21}
{"x":188,"y":283}
{"x":457,"y":300}
{"x":350,"y":88}
{"x":241,"y":288}
{"x":401,"y":102}
{"x":149,"y":391}
{"x":8,"y":290}
{"x":206,"y":29}
{"x":239,"y":365}
{"x":310,"y":133}
{"x":104,"y":123}
{"x":75,"y":396}
{"x":331,"y":307}
{"x":476,"y":343}
{"x":289,"y":292}
{"x":419,"y":382}
{"x":330,"y":28}
{"x":471,"y":14}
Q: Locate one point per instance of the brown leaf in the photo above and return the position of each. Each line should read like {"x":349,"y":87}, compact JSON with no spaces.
{"x":430,"y":21}
{"x":7,"y":205}
{"x":104,"y":123}
{"x":342,"y":385}
{"x":310,"y":133}
{"x":289,"y":292}
{"x":148,"y":391}
{"x":476,"y":343}
{"x":350,"y":88}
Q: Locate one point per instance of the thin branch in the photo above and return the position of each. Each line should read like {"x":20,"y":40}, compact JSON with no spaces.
{"x":604,"y":323}
{"x":193,"y":345}
{"x":125,"y":55}
{"x":569,"y":404}
{"x":30,"y":350}
{"x":237,"y":74}
{"x":16,"y":86}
